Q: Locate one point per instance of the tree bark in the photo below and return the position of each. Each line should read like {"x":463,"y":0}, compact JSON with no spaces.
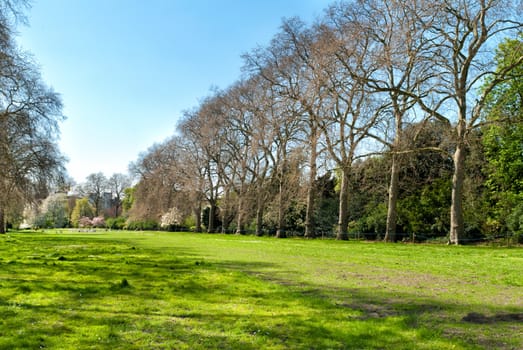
{"x":311,"y":193}
{"x":280,"y":232}
{"x":198,"y":216}
{"x":224,"y":209}
{"x":2,"y":221}
{"x":239,"y":219}
{"x":343,"y":219}
{"x":259,"y":220}
{"x":212,"y":211}
{"x":457,"y":226}
{"x":392,"y":213}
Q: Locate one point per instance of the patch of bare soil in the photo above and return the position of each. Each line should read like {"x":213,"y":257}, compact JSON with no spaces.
{"x":475,"y":317}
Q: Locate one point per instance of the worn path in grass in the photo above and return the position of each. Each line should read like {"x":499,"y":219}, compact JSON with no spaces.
{"x":146,"y":290}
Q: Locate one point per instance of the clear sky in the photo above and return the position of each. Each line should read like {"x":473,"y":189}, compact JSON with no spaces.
{"x":127,"y":69}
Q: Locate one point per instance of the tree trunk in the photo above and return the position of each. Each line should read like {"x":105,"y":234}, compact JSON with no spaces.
{"x":239,"y":221}
{"x":198,"y":216}
{"x":224,"y":209}
{"x":259,"y":219}
{"x":212,"y":210}
{"x":457,"y":226}
{"x":2,"y":221}
{"x":311,"y":193}
{"x":392,"y":214}
{"x":280,"y":232}
{"x":343,"y":218}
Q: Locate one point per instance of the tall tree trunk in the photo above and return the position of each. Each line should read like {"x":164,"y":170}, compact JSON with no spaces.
{"x":280,"y":232}
{"x":311,"y":193}
{"x":343,"y":219}
{"x":457,"y":225}
{"x":259,"y":218}
{"x":239,"y":219}
{"x":117,"y":208}
{"x":392,"y":214}
{"x":2,"y":221}
{"x":212,"y":211}
{"x":198,"y":216}
{"x":224,"y":210}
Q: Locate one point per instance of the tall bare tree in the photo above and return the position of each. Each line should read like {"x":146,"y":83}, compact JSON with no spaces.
{"x":29,"y":116}
{"x":260,"y":102}
{"x":204,"y":128}
{"x":400,"y":53}
{"x":288,"y":64}
{"x":353,"y":113}
{"x":117,"y":184}
{"x":463,"y":35}
{"x":160,"y":180}
{"x":94,"y":188}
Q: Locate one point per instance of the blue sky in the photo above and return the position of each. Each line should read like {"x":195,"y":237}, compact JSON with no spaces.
{"x":127,"y":69}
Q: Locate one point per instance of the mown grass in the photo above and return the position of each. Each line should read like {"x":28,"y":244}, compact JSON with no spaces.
{"x":148,"y":290}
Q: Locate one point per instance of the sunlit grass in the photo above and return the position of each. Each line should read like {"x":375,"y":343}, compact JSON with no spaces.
{"x":144,"y":290}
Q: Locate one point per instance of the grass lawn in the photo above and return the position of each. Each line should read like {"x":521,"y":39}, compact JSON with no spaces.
{"x":149,"y":290}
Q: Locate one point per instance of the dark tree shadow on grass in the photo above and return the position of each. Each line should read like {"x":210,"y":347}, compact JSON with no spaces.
{"x":179,"y":300}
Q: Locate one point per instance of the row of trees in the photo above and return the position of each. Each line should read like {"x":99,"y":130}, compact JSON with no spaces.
{"x":373,"y":86}
{"x":360,"y":86}
{"x":30,"y":111}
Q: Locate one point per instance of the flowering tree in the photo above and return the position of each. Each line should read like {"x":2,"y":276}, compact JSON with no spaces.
{"x":98,"y":221}
{"x":84,"y":221}
{"x":171,"y":218}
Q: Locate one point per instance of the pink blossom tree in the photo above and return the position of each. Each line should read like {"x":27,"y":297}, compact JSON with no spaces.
{"x":84,"y":221}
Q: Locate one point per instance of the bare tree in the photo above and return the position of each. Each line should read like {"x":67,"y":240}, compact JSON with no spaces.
{"x":400,"y":54}
{"x":288,"y":65}
{"x":462,"y":36}
{"x":117,"y":184}
{"x":260,"y":103}
{"x":351,"y":108}
{"x":193,"y":178}
{"x":160,"y":180}
{"x":204,"y":129}
{"x":94,"y":188}
{"x":240,"y":147}
{"x":29,"y":116}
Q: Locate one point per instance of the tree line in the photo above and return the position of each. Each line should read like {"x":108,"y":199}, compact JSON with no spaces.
{"x":381,"y":117}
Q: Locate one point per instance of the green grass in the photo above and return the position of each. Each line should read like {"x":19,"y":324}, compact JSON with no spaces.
{"x":145,"y":290}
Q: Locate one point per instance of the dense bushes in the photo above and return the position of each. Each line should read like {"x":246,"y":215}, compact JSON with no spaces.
{"x":144,"y":225}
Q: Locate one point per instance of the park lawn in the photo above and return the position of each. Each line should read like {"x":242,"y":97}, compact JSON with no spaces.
{"x":157,"y":290}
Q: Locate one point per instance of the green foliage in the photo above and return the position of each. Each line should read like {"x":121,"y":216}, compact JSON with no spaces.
{"x":326,"y":211}
{"x":190,"y":222}
{"x":425,"y":213}
{"x":81,"y":209}
{"x":515,"y":222}
{"x":115,"y":223}
{"x":295,"y":218}
{"x":138,"y":290}
{"x":143,"y":225}
{"x":128,"y":199}
{"x":205,"y":218}
{"x":503,"y":142}
{"x":54,"y":212}
{"x":373,"y":224}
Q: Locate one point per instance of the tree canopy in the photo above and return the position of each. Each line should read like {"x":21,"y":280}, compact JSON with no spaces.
{"x":385,"y":100}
